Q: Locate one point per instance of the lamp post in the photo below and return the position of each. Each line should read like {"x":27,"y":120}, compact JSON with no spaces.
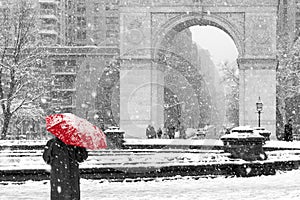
{"x":259,"y":108}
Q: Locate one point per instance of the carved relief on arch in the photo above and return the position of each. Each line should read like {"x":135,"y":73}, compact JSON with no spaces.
{"x":159,"y":19}
{"x":260,"y":35}
{"x":135,"y":35}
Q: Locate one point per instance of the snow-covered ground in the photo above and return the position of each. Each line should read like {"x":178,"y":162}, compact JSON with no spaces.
{"x":12,"y":159}
{"x":173,"y":142}
{"x":283,"y":186}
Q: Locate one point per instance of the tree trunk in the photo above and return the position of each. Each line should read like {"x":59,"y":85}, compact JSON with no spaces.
{"x":6,"y":121}
{"x":282,"y":113}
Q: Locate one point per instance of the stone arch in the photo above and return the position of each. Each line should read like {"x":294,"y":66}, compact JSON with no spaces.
{"x":254,"y":34}
{"x":173,"y":26}
{"x":181,"y":22}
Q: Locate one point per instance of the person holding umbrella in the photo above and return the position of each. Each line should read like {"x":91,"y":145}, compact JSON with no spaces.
{"x":64,"y":152}
{"x":64,"y":175}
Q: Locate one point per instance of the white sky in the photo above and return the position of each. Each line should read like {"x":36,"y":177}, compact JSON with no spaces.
{"x":216,"y":41}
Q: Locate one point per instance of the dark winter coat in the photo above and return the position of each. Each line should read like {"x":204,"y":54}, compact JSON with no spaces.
{"x":159,"y":133}
{"x":150,"y":132}
{"x":64,"y":169}
{"x":171,"y":132}
{"x":288,"y":132}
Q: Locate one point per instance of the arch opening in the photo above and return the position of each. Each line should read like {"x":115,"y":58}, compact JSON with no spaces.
{"x":213,"y":104}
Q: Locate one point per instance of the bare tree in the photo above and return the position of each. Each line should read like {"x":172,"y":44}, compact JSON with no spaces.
{"x":288,"y":76}
{"x":231,"y":81}
{"x":21,"y":80}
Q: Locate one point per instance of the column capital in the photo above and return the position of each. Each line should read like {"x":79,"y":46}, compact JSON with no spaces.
{"x":257,"y":63}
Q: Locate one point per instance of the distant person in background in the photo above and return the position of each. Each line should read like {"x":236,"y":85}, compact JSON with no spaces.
{"x":165,"y":134}
{"x":182,"y":133}
{"x":227,"y":131}
{"x":153,"y":132}
{"x":102,"y":127}
{"x":171,"y":131}
{"x":159,"y":133}
{"x":64,"y":176}
{"x":150,"y":132}
{"x":288,"y":131}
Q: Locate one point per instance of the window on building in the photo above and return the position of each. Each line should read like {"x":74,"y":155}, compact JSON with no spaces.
{"x":81,"y":21}
{"x":96,"y":36}
{"x":47,"y":6}
{"x":97,"y":7}
{"x":81,"y":35}
{"x":54,"y":95}
{"x":48,"y":21}
{"x":111,"y":6}
{"x":112,"y":33}
{"x":81,"y":9}
{"x":112,"y":20}
{"x":59,"y":62}
{"x":97,"y":19}
{"x":71,"y":63}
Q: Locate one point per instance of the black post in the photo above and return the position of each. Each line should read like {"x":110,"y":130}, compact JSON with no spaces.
{"x":259,"y":118}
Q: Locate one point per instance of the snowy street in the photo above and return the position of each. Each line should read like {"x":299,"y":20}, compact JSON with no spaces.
{"x":283,"y":186}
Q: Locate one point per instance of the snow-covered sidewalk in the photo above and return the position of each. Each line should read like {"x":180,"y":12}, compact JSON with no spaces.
{"x":282,"y":186}
{"x":167,"y":142}
{"x":16,"y":159}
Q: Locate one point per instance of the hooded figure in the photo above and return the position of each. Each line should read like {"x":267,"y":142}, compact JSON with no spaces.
{"x":288,"y":131}
{"x":64,"y":169}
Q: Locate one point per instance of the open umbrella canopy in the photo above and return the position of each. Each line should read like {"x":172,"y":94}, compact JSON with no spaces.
{"x":73,"y":130}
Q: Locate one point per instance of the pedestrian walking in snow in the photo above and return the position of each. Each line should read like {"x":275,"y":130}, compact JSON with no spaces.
{"x":150,"y":132}
{"x":159,"y":133}
{"x":288,"y":131}
{"x":171,"y":131}
{"x":227,"y":131}
{"x":153,"y":132}
{"x":64,"y":161}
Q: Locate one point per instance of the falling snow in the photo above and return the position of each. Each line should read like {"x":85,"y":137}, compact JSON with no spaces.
{"x":186,"y":53}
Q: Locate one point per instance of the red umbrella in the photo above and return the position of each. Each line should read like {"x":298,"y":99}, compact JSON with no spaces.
{"x":73,"y":130}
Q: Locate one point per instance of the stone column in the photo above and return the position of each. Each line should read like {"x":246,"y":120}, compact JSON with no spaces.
{"x":258,"y":79}
{"x":141,"y":97}
{"x":141,"y":82}
{"x":258,"y":70}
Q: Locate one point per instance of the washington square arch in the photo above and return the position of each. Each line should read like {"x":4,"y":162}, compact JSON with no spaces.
{"x":148,"y":27}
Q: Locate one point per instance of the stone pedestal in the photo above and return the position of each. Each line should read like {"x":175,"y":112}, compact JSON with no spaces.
{"x":245,"y":144}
